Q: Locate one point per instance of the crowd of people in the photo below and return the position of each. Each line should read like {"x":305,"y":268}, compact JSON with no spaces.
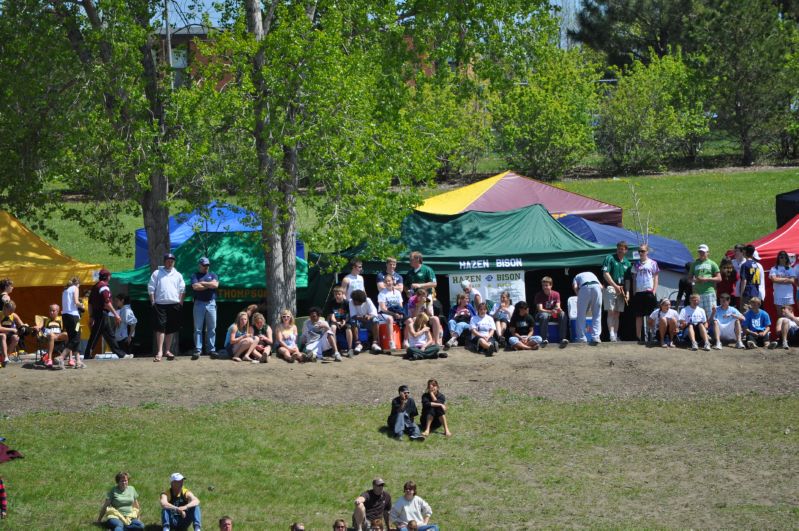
{"x":180,"y":509}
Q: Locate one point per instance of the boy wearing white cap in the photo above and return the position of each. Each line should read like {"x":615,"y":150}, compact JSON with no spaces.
{"x":180,"y":508}
{"x":705,"y":274}
{"x":474,"y":296}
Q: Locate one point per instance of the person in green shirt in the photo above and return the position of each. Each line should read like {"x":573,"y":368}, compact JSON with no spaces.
{"x":616,"y":272}
{"x":704,"y":275}
{"x":419,"y":275}
{"x":120,"y":510}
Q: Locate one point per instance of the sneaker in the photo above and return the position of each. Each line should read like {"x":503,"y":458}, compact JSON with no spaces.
{"x":392,"y":345}
{"x":336,"y":356}
{"x":194,"y":356}
{"x":358,"y":348}
{"x":58,"y":365}
{"x":350,"y":353}
{"x":490,"y":350}
{"x":595,"y":341}
{"x":376,"y":348}
{"x":750,"y":344}
{"x":544,"y":343}
{"x":772,"y":345}
{"x":128,"y":357}
{"x":71,"y":362}
{"x":614,"y":338}
{"x":785,"y":345}
{"x":706,"y":347}
{"x":453,"y":342}
{"x":717,"y":346}
{"x":739,"y":345}
{"x":694,"y":346}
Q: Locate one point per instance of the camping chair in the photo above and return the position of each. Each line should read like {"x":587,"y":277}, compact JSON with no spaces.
{"x":43,"y":341}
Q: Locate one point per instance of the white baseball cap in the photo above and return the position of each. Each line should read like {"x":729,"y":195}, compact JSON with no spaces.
{"x":466,"y":284}
{"x":177,"y":476}
{"x":703,"y":247}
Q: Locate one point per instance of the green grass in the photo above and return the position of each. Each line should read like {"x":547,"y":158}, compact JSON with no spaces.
{"x":716,"y":208}
{"x":516,"y":463}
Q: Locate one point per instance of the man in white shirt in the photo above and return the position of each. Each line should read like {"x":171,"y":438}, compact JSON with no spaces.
{"x":353,"y":281}
{"x":693,"y":324}
{"x":167,"y":290}
{"x":364,"y":315}
{"x":727,"y":323}
{"x":589,"y":295}
{"x":474,"y":296}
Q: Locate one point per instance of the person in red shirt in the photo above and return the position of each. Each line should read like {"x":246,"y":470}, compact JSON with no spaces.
{"x":547,"y":307}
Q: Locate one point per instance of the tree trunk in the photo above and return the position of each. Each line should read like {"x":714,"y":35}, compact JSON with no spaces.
{"x":156,"y":219}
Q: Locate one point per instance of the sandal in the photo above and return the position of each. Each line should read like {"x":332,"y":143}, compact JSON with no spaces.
{"x":80,"y":365}
{"x":170,"y":356}
{"x":236,"y":359}
{"x":664,"y":345}
{"x":157,"y":358}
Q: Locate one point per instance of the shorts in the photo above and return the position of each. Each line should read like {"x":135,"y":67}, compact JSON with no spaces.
{"x":166,"y":317}
{"x":643,"y":303}
{"x":727,"y":331}
{"x":611,"y":300}
{"x":784,"y":301}
{"x":707,"y":302}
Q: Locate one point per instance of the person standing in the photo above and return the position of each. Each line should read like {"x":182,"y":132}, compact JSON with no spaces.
{"x":705,"y":274}
{"x":204,"y":284}
{"x":751,"y":277}
{"x":71,"y":308}
{"x":616,"y":272}
{"x":419,"y":275}
{"x":353,"y":281}
{"x":103,"y":316}
{"x":167,"y":290}
{"x":589,"y":295}
{"x":647,"y":274}
{"x":371,"y":505}
{"x":391,"y":271}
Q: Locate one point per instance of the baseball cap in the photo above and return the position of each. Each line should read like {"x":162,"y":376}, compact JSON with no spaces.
{"x":378,"y":481}
{"x":177,"y":476}
{"x":466,"y":284}
{"x":104,"y":274}
{"x":403,"y":388}
{"x":169,"y":256}
{"x":703,"y":247}
{"x":205,"y":261}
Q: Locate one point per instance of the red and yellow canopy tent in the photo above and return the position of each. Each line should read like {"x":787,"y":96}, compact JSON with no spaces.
{"x":509,"y":191}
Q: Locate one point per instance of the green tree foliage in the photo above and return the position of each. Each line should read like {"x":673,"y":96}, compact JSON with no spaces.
{"x":544,"y":124}
{"x":629,"y":30}
{"x":654,"y":112}
{"x":744,"y":45}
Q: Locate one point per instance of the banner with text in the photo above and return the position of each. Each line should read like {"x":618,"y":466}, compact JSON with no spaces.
{"x":490,"y":284}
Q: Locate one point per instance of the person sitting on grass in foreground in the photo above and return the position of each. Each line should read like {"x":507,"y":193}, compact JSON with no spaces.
{"x":371,"y":505}
{"x":120,"y":510}
{"x":412,"y":508}
{"x":757,"y":325}
{"x":318,"y":337}
{"x":434,"y":409}
{"x":338,"y":316}
{"x":226,"y":523}
{"x":262,"y":334}
{"x":180,"y":508}
{"x":287,"y":338}
{"x":727,"y":322}
{"x":787,"y":329}
{"x":482,"y":329}
{"x":363,"y":313}
{"x":693,"y":324}
{"x":664,"y":320}
{"x":403,"y":411}
{"x":460,"y":317}
{"x":239,"y":343}
{"x":520,"y":330}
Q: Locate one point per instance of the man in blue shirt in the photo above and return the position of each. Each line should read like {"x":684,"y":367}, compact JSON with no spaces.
{"x":204,"y":284}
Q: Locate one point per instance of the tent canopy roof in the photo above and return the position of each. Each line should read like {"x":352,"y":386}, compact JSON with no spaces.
{"x":669,"y":254}
{"x":28,"y":260}
{"x":786,"y":238}
{"x":525,"y":238}
{"x":236,"y":257}
{"x":508,"y":191}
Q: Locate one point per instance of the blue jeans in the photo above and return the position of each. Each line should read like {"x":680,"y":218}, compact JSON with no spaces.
{"x":430,"y":527}
{"x":174,"y":521}
{"x":457,"y":328}
{"x":205,"y":312}
{"x":404,"y":424}
{"x":117,"y":525}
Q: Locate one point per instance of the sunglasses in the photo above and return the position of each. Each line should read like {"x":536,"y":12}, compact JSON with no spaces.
{"x":285,"y":317}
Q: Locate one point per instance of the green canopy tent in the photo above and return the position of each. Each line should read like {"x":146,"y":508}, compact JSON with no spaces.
{"x":236,"y":257}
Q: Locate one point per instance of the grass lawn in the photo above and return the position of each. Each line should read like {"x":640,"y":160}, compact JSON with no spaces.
{"x":716,"y":208}
{"x":513,"y":464}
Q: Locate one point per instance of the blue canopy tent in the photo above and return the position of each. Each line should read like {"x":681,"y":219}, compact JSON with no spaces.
{"x":671,"y":255}
{"x":216,"y":217}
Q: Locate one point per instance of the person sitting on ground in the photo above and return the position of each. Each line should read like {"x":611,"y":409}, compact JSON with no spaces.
{"x":297,"y":526}
{"x":338,"y":316}
{"x":548,"y":308}
{"x":589,"y":297}
{"x":783,"y":280}
{"x":664,"y":320}
{"x":420,"y":340}
{"x":412,"y":508}
{"x":370,"y":505}
{"x":729,"y":281}
{"x":520,"y":330}
{"x":502,"y":313}
{"x":757,"y":325}
{"x":390,"y":309}
{"x":403,"y":411}
{"x":71,"y":308}
{"x":433,"y":308}
{"x":460,"y":318}
{"x":339,"y":525}
{"x":353,"y":281}
{"x":787,"y":329}
{"x":52,"y":328}
{"x":180,"y":508}
{"x":391,"y":271}
{"x":474,"y":296}
{"x":363,"y":313}
{"x":250,"y":310}
{"x":727,"y":322}
{"x":3,"y":500}
{"x":11,"y":327}
{"x":378,"y":524}
{"x":751,"y":277}
{"x":482,"y":330}
{"x":226,"y":523}
{"x":262,"y":333}
{"x":317,"y":337}
{"x":705,"y":275}
{"x":120,"y":510}
{"x":434,"y":409}
{"x":6,"y":287}
{"x":646,"y":275}
{"x":127,"y":325}
{"x":286,"y":332}
{"x":693,"y":324}
{"x":239,"y":342}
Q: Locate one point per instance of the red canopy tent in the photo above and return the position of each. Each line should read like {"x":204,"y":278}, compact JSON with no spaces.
{"x":786,"y":238}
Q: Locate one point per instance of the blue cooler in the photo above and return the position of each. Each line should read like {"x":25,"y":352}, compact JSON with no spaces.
{"x":553,"y":329}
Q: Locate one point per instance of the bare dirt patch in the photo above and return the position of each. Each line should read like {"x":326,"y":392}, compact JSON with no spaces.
{"x":574,"y":374}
